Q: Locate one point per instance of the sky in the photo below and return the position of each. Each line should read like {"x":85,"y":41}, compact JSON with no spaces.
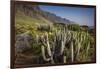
{"x":80,"y":15}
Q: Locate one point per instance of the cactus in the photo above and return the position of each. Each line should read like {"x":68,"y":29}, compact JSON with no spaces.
{"x":73,"y":41}
{"x":46,"y":46}
{"x":72,"y":51}
{"x":60,"y":39}
{"x":64,"y":59}
{"x":43,"y":54}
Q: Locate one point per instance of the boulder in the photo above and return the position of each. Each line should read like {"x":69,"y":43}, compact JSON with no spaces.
{"x":23,"y":42}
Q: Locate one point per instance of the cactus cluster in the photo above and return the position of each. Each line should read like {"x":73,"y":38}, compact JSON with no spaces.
{"x":61,"y":42}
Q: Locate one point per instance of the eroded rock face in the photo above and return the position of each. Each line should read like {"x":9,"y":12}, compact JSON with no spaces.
{"x":23,"y":43}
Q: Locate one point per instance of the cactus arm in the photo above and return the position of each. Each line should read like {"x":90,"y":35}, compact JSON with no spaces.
{"x":62,"y":47}
{"x":48,"y":45}
{"x":88,"y":47}
{"x":64,"y":59}
{"x":63,"y":42}
{"x":79,"y":42}
{"x":49,"y":50}
{"x":72,"y":52}
{"x":78,"y":50}
{"x":43,"y":54}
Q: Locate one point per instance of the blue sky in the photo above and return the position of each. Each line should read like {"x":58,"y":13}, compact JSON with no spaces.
{"x":82,"y":16}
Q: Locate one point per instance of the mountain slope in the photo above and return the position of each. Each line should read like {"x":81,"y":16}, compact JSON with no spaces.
{"x":37,"y":15}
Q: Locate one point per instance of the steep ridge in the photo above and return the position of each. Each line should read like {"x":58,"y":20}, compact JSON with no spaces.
{"x":35,"y":12}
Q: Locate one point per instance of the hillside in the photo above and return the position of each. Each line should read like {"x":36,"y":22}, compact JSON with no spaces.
{"x":34,"y":12}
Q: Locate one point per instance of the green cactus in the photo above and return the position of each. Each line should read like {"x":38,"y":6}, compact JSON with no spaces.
{"x":47,"y":46}
{"x":76,"y":42}
{"x":43,"y":54}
